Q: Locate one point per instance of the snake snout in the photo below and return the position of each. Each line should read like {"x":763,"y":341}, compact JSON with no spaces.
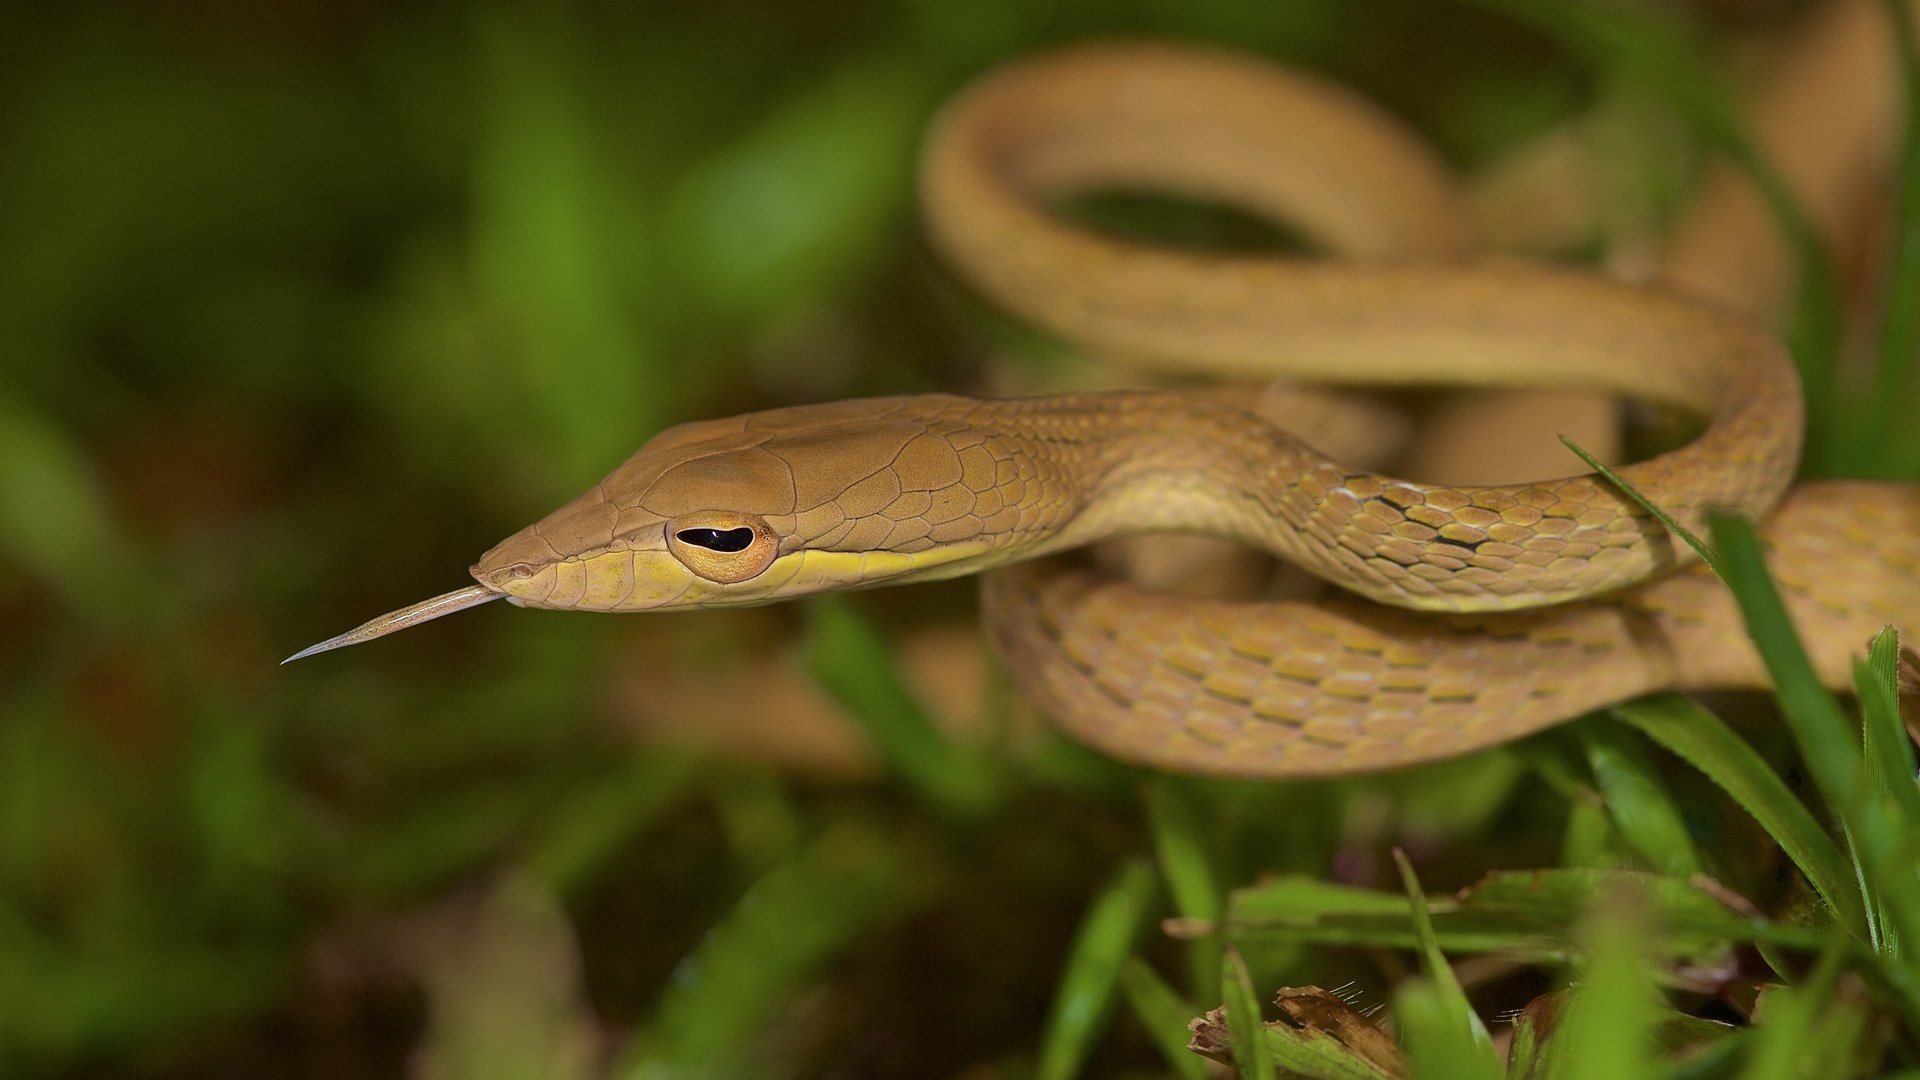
{"x":521,"y":567}
{"x":522,"y":583}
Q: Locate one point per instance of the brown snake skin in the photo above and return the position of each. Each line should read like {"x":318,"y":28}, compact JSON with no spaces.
{"x":854,"y":494}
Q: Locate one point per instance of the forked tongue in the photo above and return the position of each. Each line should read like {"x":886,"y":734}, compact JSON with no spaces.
{"x":445,"y":604}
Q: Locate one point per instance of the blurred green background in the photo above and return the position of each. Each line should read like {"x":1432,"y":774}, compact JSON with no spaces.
{"x":304,"y":304}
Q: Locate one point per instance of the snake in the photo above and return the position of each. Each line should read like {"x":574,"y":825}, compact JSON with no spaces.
{"x":1460,"y":616}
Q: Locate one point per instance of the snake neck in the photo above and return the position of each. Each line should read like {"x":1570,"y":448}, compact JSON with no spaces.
{"x":1155,"y":462}
{"x":1141,"y":462}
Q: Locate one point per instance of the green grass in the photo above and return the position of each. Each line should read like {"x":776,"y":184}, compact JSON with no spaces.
{"x":304,"y":307}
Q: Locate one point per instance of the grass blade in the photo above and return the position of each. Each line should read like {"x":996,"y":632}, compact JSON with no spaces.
{"x":1245,"y":1032}
{"x":788,"y":923}
{"x":591,"y":823}
{"x":1183,"y":862}
{"x":1436,"y":1046}
{"x":1605,"y":1031}
{"x":1889,"y":750}
{"x":1707,"y":554}
{"x":1820,"y":728}
{"x":1093,"y":968}
{"x":1297,"y":897}
{"x":1783,"y":1042}
{"x":1164,"y":1016}
{"x":1453,"y":1032}
{"x":1514,"y":911}
{"x":849,"y":657}
{"x":1890,"y":807}
{"x":1638,"y":801}
{"x":1704,"y":741}
{"x":1814,"y":716}
{"x":1590,"y":839}
{"x":1882,"y":861}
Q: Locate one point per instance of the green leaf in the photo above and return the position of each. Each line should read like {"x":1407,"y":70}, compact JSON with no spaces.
{"x":1705,"y":741}
{"x":1101,"y":946}
{"x":1245,"y":1032}
{"x":1530,"y":1052}
{"x":1784,"y":1044}
{"x":1183,"y":862}
{"x":1316,"y":1054}
{"x":1460,"y":1040}
{"x":784,"y":928}
{"x":1296,"y":898}
{"x":849,"y":657}
{"x":1164,"y":1016}
{"x":1527,"y":912}
{"x":1606,"y":1030}
{"x":1639,"y":802}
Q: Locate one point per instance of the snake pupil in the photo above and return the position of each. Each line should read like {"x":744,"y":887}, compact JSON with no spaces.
{"x":717,"y":539}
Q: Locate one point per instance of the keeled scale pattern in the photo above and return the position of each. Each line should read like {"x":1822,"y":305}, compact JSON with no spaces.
{"x":1335,"y":686}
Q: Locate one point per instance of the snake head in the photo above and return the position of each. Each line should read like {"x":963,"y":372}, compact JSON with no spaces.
{"x":757,"y":508}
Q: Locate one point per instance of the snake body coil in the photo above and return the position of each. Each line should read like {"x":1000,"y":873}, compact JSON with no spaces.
{"x":1439,"y":649}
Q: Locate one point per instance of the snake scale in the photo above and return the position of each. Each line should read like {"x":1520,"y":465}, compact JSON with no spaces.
{"x":1470,"y":615}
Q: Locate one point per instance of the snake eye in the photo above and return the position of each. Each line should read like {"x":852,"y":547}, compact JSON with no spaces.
{"x":725,"y":540}
{"x":722,"y":546}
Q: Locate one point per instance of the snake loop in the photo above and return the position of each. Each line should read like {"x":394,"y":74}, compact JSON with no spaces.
{"x":1472,"y":614}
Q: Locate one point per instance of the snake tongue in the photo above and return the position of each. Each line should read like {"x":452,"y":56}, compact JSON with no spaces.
{"x":444,"y":604}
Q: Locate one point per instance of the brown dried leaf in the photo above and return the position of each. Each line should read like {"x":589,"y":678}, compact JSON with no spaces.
{"x":1332,"y":1041}
{"x":1210,"y":1036}
{"x":1317,"y":1009}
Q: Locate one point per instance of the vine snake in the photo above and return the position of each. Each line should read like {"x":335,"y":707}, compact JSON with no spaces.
{"x":1470,"y":615}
